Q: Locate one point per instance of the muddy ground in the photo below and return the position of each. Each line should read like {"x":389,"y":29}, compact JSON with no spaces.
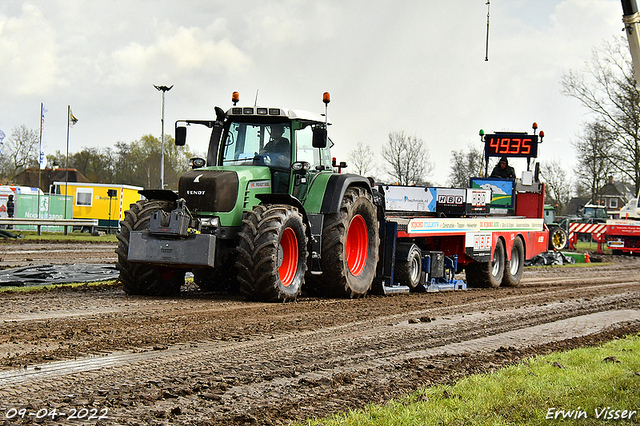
{"x":215,"y":359}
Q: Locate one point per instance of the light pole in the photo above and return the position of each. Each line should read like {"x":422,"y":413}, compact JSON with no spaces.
{"x":163,"y":89}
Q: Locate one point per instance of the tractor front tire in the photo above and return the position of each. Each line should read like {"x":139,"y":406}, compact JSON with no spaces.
{"x":140,"y":278}
{"x":350,"y":242}
{"x":272,"y":253}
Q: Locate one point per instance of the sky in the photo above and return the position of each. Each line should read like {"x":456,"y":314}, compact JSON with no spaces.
{"x":416,"y":66}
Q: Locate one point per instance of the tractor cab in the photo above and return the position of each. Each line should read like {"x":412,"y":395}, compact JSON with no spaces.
{"x":292,"y":144}
{"x":280,"y":139}
{"x":593,"y":213}
{"x":253,"y":151}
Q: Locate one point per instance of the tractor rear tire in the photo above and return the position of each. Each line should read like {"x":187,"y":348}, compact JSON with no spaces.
{"x":272,"y":253}
{"x":140,"y":278}
{"x":515,"y":266}
{"x":557,"y":238}
{"x":488,"y":274}
{"x":350,"y":242}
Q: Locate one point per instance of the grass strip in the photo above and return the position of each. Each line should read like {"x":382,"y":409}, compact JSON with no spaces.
{"x":59,"y":236}
{"x":55,"y":287}
{"x":585,"y":386}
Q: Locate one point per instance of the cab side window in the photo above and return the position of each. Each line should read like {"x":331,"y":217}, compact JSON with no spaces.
{"x":305,"y":150}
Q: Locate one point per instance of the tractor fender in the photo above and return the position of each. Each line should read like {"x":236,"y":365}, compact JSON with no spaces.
{"x":337,"y":186}
{"x":288,"y":200}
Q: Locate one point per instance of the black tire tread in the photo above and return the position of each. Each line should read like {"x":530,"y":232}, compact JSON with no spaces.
{"x":334,"y":281}
{"x":403,"y":272}
{"x":141,"y":279}
{"x":257,"y":253}
{"x":509,"y":280}
{"x":479,"y":274}
{"x":553,"y":230}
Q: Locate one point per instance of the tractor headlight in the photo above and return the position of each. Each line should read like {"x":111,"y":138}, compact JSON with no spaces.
{"x":210,"y":222}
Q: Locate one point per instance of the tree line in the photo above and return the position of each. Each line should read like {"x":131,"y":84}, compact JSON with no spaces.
{"x":135,"y":163}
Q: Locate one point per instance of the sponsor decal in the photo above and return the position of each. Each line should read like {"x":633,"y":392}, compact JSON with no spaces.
{"x":260,"y":184}
{"x":451,"y":199}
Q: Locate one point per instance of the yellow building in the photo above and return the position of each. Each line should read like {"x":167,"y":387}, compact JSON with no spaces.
{"x":103,"y":201}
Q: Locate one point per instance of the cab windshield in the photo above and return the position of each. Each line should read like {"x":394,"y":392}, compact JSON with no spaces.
{"x":249,"y":144}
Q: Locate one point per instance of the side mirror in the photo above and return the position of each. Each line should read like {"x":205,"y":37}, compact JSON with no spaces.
{"x":181,"y":135}
{"x":319,"y":137}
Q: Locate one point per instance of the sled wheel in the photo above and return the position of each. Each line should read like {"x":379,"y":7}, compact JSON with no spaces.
{"x":272,"y":253}
{"x":140,"y":278}
{"x":408,"y":271}
{"x":515,"y":266}
{"x":350,"y":244}
{"x":487,"y":274}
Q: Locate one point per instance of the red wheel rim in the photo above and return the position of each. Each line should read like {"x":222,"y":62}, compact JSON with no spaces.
{"x":357,"y":245}
{"x":289,"y":257}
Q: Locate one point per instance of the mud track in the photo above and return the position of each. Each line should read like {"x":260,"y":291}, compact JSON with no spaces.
{"x":210,"y":359}
{"x":17,"y":253}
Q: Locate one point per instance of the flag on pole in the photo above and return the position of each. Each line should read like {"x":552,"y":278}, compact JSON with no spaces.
{"x":43,"y":111}
{"x":2,"y":136}
{"x":43,"y":160}
{"x":72,"y":119}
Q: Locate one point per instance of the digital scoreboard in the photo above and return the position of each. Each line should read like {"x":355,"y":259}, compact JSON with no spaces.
{"x":511,"y":145}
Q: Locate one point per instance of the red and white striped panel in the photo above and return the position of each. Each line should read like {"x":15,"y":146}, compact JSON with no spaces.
{"x":596,"y":229}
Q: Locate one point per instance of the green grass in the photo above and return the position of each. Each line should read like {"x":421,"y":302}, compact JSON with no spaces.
{"x":583,"y":380}
{"x":59,"y":236}
{"x":51,"y":287}
{"x":582,"y":246}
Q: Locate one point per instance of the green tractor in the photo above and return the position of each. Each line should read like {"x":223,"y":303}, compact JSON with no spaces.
{"x":263,"y":215}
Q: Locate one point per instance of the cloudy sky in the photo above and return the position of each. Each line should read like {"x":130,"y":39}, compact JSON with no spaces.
{"x":416,"y":66}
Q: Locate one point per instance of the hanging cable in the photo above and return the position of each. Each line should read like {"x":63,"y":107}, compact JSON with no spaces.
{"x":486,"y":56}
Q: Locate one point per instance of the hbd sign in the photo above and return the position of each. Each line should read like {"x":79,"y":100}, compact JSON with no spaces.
{"x":451,"y":199}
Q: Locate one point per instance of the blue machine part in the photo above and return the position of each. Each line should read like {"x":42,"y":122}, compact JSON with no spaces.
{"x":446,"y":282}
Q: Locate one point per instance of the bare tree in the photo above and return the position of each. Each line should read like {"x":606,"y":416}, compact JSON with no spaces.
{"x":408,"y":158}
{"x":558,"y":185}
{"x":466,"y":164}
{"x":362,"y":159}
{"x":21,"y":151}
{"x":607,"y":88}
{"x":594,"y":164}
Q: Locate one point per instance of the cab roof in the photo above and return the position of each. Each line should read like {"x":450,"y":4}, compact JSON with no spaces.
{"x":284,"y":113}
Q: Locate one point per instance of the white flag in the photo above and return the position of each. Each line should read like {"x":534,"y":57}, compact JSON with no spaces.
{"x":72,"y":119}
{"x":43,"y":160}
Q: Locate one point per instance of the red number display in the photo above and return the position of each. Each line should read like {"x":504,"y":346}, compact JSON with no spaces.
{"x":516,"y":145}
